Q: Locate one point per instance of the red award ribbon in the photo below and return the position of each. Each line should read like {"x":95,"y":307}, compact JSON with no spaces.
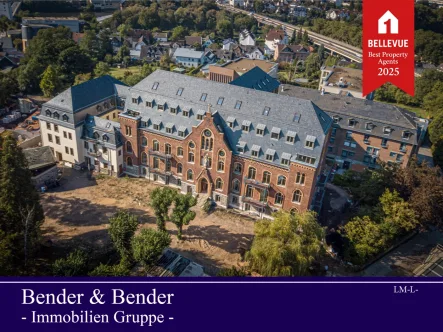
{"x":388,"y":44}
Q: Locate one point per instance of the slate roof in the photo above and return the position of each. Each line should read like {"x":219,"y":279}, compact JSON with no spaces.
{"x":39,"y":157}
{"x":289,"y":114}
{"x":363,"y":111}
{"x":108,"y":131}
{"x":256,"y":79}
{"x":187,"y":53}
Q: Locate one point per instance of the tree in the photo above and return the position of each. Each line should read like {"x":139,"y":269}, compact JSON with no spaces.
{"x":293,"y":37}
{"x":305,"y":38}
{"x":224,"y":28}
{"x":258,"y":6}
{"x":8,"y":86}
{"x":71,"y":62}
{"x":148,"y":246}
{"x":179,"y":32}
{"x":101,"y":69}
{"x":121,"y":230}
{"x":18,"y":44}
{"x":122,"y":52}
{"x":365,"y":240}
{"x":165,"y":60}
{"x":123,"y":30}
{"x":50,"y":81}
{"x":161,"y":200}
{"x":80,"y":78}
{"x":433,"y":101}
{"x":74,"y":265}
{"x":286,"y":246}
{"x":182,"y":214}
{"x":233,"y":272}
{"x":321,"y":52}
{"x":22,"y":214}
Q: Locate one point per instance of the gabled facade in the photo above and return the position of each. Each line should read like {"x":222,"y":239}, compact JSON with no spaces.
{"x":289,"y":53}
{"x":274,"y":38}
{"x":246,"y":38}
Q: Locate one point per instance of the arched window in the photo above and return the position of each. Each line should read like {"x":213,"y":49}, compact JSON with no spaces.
{"x":65,"y":118}
{"x":180,"y":151}
{"x":96,"y":135}
{"x":190,"y":175}
{"x":300,"y":179}
{"x":221,"y":166}
{"x":219,"y":184}
{"x":278,"y":199}
{"x":144,"y":158}
{"x":296,"y":197}
{"x":191,"y":145}
{"x":251,"y":173}
{"x":266,"y":177}
{"x":105,"y":138}
{"x":207,"y":141}
{"x":144,"y":141}
{"x":48,"y":113}
{"x":179,"y":168}
{"x":236,"y":185}
{"x":99,"y":108}
{"x":56,"y":115}
{"x":281,"y":181}
{"x":155,"y":145}
{"x":129,"y":161}
{"x":128,"y":147}
{"x":294,"y":211}
{"x":238,"y":168}
{"x":168,"y":148}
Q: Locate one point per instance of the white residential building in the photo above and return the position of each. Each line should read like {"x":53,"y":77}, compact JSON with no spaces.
{"x":274,"y":38}
{"x":63,"y":117}
{"x":6,"y":9}
{"x":246,"y":38}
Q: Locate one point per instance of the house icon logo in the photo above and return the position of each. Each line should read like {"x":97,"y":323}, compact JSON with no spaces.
{"x":388,"y":18}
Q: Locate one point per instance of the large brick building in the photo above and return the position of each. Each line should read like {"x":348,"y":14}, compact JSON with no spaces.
{"x":245,"y":149}
{"x":365,"y":131}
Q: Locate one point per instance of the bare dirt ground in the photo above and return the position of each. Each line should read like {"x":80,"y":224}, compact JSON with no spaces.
{"x":77,"y":215}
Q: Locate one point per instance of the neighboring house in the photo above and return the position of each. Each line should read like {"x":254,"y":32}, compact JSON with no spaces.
{"x":134,"y":54}
{"x":189,"y":58}
{"x":257,"y":79}
{"x":365,"y":131}
{"x":62,"y":118}
{"x":6,"y":44}
{"x":334,"y":14}
{"x":251,"y":52}
{"x":207,"y":42}
{"x":106,"y":4}
{"x":231,"y":70}
{"x":247,"y":38}
{"x":142,"y":41}
{"x":171,"y":264}
{"x":116,"y":42}
{"x":274,"y":38}
{"x":229,"y":44}
{"x":152,"y":53}
{"x":237,"y":3}
{"x":160,"y":36}
{"x":6,"y":9}
{"x":224,"y":55}
{"x":251,"y":150}
{"x":191,"y":41}
{"x":289,"y":53}
{"x":102,"y":145}
{"x":298,"y":11}
{"x":6,"y":64}
{"x":43,"y":166}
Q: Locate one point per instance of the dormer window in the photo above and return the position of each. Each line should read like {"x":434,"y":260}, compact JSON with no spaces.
{"x":134,"y":101}
{"x":96,"y":135}
{"x":260,"y":130}
{"x":48,"y":113}
{"x":406,"y":134}
{"x":56,"y":115}
{"x":246,"y":126}
{"x":157,"y":125}
{"x":310,"y":142}
{"x":185,"y":113}
{"x":241,"y":146}
{"x":182,"y":132}
{"x":173,"y":110}
{"x":105,"y":138}
{"x":65,"y":118}
{"x":275,"y":133}
{"x":336,"y":119}
{"x":230,"y":121}
{"x":160,"y":107}
{"x":351,"y":122}
{"x":285,"y":158}
{"x":237,"y":105}
{"x":387,"y":130}
{"x":149,"y":104}
{"x":290,"y":137}
{"x":369,"y":126}
{"x":270,"y":154}
{"x":155,"y":86}
{"x":255,"y":151}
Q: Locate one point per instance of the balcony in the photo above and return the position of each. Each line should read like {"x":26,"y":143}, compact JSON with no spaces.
{"x":159,"y":171}
{"x":131,"y":170}
{"x":253,"y":201}
{"x":256,"y":184}
{"x":160,"y":154}
{"x":94,"y":153}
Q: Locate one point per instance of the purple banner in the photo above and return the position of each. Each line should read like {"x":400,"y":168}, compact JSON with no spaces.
{"x":251,"y":304}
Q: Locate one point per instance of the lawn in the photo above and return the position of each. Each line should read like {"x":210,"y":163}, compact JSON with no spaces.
{"x":119,"y":73}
